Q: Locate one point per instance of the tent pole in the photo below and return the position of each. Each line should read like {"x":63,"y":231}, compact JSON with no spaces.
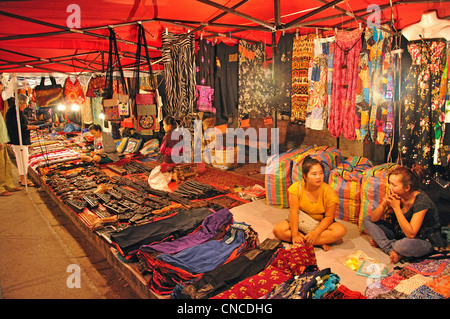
{"x":68,"y":30}
{"x":239,"y":14}
{"x":30,"y":66}
{"x":37,"y":59}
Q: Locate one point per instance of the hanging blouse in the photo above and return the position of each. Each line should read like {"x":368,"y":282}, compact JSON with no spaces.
{"x":255,"y":81}
{"x":345,"y":78}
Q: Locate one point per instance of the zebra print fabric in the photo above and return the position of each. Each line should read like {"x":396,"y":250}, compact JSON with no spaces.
{"x":179,"y":73}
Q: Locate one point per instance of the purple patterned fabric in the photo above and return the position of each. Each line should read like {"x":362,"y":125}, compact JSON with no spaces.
{"x":211,"y":226}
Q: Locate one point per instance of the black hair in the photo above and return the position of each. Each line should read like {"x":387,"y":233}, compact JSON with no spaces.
{"x":412,"y":177}
{"x":308,"y":163}
{"x":95,"y":127}
{"x":169,"y":120}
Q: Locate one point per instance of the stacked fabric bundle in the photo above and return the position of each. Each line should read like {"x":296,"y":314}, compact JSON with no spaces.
{"x":52,"y":157}
{"x":346,"y":182}
{"x":286,"y":264}
{"x":234,"y":272}
{"x":179,"y":224}
{"x":170,"y":269}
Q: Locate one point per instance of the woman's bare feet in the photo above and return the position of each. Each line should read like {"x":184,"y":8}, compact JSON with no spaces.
{"x":373,"y":243}
{"x":325,"y":247}
{"x":394,"y":257}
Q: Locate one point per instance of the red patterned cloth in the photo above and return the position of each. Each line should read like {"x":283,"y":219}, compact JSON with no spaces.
{"x":345,"y":79}
{"x":288,"y":263}
{"x":73,"y":92}
{"x":342,"y":292}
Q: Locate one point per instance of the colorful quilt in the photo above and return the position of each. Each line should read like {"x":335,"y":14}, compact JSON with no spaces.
{"x":428,"y":279}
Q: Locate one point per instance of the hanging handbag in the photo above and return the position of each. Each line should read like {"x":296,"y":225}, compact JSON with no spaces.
{"x":146,"y":117}
{"x":145,"y":98}
{"x":114,"y":103}
{"x":148,"y":82}
{"x":48,"y":95}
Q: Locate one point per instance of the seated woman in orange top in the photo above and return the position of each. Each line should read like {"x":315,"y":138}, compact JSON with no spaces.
{"x":312,"y":207}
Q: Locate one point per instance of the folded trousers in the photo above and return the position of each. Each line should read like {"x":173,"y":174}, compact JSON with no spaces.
{"x":129,"y":240}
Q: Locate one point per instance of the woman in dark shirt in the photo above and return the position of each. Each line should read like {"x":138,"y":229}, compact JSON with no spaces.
{"x":415,"y":217}
{"x":21,"y":152}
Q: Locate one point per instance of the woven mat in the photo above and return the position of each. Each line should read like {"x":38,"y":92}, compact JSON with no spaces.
{"x":221,"y":178}
{"x":226,"y":179}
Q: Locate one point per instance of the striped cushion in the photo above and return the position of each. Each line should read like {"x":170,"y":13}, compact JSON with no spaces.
{"x":277,"y":178}
{"x":374,"y":186}
{"x":346,"y":182}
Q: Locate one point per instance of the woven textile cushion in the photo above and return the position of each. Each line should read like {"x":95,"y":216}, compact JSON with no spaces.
{"x":277,"y":177}
{"x":329,"y":156}
{"x":346,"y":182}
{"x":374,"y":186}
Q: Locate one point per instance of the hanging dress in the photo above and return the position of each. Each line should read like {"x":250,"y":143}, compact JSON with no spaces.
{"x":255,"y":81}
{"x":226,"y":82}
{"x":374,"y":100}
{"x":422,"y":102}
{"x":345,"y":78}
{"x":205,"y":63}
{"x":302,"y":54}
{"x":317,"y":109}
{"x":178,"y":56}
{"x":283,"y":74}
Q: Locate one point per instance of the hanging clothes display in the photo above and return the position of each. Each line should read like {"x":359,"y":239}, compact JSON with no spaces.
{"x":445,"y":137}
{"x":331,"y":50}
{"x":283,"y":67}
{"x":302,"y":54}
{"x":345,"y":78}
{"x":86,"y":108}
{"x":317,"y":108}
{"x":255,"y":81}
{"x":226,"y":82}
{"x":96,"y":86}
{"x":374,"y":100}
{"x":178,"y":56}
{"x":422,"y":101}
{"x":205,"y":64}
{"x":73,"y":92}
{"x":97,"y":109}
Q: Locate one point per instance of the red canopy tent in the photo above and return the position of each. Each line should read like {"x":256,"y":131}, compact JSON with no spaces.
{"x":67,"y":37}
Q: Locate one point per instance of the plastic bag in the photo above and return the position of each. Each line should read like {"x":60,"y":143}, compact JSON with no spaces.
{"x":158,"y":180}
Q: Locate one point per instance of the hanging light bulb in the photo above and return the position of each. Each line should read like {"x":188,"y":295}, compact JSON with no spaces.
{"x":102,"y":116}
{"x":75,"y":107}
{"x":61,"y":107}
